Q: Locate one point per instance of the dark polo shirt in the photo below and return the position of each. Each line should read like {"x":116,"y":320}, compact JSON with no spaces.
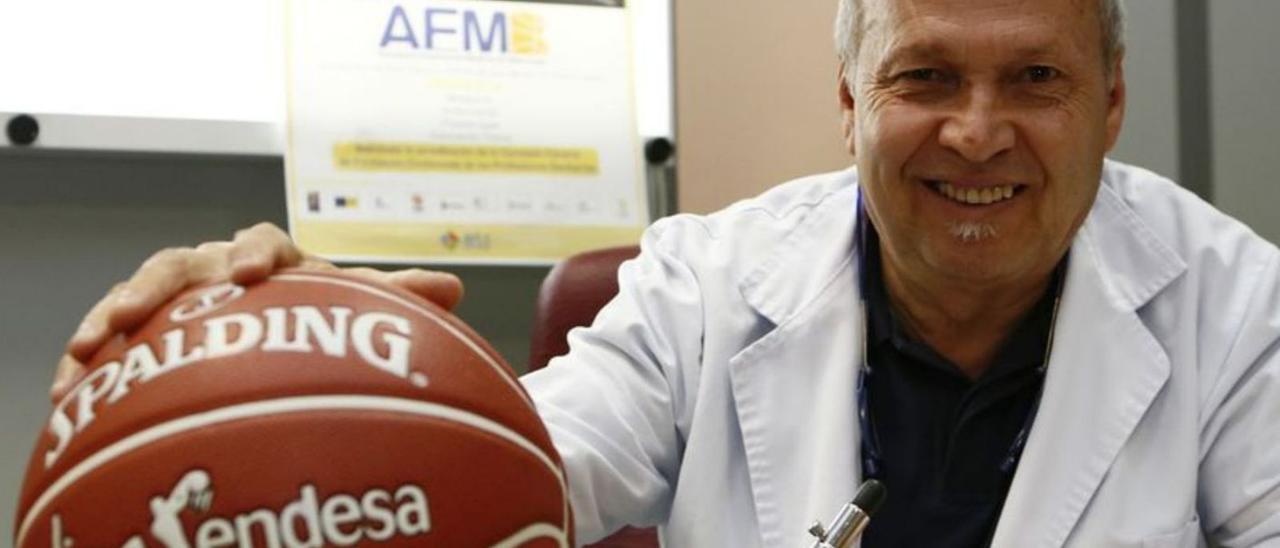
{"x":942,"y":436}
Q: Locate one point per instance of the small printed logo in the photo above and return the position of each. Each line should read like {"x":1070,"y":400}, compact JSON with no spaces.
{"x":205,"y":302}
{"x":185,"y":518}
{"x":313,"y":201}
{"x":476,"y":240}
{"x":417,"y":202}
{"x":516,"y":204}
{"x":380,"y":340}
{"x":551,"y":206}
{"x":450,"y":240}
{"x":308,"y":520}
{"x":453,"y":204}
{"x":526,"y":34}
{"x":346,"y":202}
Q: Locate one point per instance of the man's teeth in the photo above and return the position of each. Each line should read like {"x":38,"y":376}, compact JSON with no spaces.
{"x":976,"y":196}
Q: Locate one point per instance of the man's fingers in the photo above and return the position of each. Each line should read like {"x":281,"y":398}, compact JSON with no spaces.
{"x":442,"y":288}
{"x":254,"y":255}
{"x":160,"y":278}
{"x":260,"y":250}
{"x":68,"y":369}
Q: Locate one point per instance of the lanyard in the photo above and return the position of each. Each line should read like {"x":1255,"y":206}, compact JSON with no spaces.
{"x":871,"y":458}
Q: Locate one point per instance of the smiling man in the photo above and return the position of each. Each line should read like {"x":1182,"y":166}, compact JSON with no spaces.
{"x":1028,"y":344}
{"x":979,"y":131}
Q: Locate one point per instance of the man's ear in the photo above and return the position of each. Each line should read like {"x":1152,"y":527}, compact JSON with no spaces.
{"x":845,"y":98}
{"x":1117,"y":96}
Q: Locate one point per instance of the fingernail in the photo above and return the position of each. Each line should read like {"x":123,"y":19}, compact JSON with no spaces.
{"x":58,"y":390}
{"x":66,"y":372}
{"x":61,"y":379}
{"x":86,"y":331}
{"x":126,"y":297}
{"x":243,"y":269}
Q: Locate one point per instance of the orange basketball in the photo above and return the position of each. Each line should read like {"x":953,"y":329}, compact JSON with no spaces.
{"x":312,"y":409}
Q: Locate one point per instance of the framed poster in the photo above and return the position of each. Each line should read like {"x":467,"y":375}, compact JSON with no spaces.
{"x":461,"y":131}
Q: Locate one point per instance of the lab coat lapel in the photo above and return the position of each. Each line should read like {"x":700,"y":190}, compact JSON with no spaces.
{"x":794,"y":387}
{"x":1104,"y":372}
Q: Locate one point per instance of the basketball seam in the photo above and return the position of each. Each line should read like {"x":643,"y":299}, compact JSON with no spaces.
{"x":280,"y":406}
{"x":533,"y":532}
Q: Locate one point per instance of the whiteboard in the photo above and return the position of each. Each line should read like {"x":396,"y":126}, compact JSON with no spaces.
{"x":182,"y":76}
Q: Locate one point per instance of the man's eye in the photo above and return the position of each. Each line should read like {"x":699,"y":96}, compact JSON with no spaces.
{"x":923,"y":75}
{"x":1040,"y":73}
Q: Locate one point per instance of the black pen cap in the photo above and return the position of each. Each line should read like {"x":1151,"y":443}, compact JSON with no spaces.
{"x":870,"y":497}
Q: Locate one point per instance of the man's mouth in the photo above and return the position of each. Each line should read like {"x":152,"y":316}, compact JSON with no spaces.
{"x":974,"y":195}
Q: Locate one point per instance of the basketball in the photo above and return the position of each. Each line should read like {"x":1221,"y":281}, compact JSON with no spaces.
{"x":311,"y":409}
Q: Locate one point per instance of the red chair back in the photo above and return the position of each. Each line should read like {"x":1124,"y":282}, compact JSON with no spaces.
{"x":571,"y":295}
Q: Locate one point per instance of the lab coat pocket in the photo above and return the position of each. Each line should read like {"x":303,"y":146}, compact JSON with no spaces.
{"x":1188,"y":536}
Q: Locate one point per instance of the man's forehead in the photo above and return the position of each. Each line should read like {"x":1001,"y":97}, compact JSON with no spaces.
{"x":1024,"y":27}
{"x":898,"y":12}
{"x":1081,"y":7}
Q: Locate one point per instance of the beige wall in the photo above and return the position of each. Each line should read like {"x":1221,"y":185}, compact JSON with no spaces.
{"x":755,"y":97}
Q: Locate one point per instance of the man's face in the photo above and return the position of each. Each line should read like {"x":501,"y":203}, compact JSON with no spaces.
{"x":979,"y":129}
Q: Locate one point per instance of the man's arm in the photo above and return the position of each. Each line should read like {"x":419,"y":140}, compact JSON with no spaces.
{"x":617,"y":404}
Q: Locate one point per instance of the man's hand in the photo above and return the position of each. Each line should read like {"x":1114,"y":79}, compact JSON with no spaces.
{"x":250,"y":257}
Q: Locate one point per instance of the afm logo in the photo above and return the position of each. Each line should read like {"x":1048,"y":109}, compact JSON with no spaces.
{"x":464,"y":30}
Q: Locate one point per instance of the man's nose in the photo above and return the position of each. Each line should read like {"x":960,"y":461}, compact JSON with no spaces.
{"x":978,"y":129}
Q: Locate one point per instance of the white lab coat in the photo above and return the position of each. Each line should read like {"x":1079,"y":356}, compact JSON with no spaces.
{"x":715,"y":395}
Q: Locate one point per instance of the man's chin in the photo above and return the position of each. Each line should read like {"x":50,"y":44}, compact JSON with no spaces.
{"x":980,"y":258}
